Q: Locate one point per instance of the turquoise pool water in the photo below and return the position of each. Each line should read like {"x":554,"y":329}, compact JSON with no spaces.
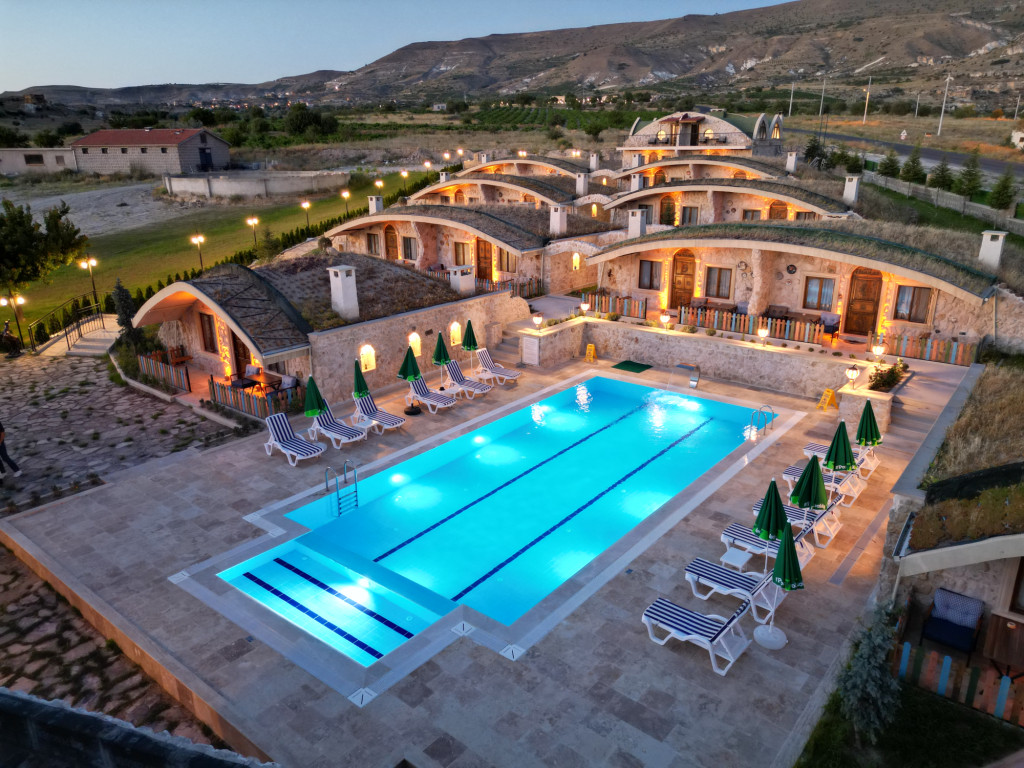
{"x":496,"y":519}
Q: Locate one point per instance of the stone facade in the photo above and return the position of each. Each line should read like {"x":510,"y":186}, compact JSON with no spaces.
{"x":333,"y":351}
{"x":714,"y":206}
{"x":851,"y":405}
{"x":160,"y":157}
{"x":14,"y":162}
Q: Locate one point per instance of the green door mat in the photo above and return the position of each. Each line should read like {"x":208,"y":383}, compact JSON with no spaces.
{"x":631,"y":367}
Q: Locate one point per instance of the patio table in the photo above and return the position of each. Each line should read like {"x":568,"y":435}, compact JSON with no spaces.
{"x":243,"y":383}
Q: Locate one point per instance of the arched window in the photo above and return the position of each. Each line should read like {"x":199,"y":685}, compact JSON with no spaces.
{"x":778,"y":210}
{"x":367,"y":358}
{"x":659,"y":177}
{"x":460,"y":197}
{"x":668,"y":211}
{"x":414,"y":343}
{"x":455,"y":334}
{"x":593,"y":210}
{"x":739,"y":175}
{"x":390,"y":243}
{"x":575,"y":262}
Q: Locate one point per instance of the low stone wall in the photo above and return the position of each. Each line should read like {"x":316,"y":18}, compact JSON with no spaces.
{"x":36,"y":732}
{"x":334,"y":351}
{"x":255,"y":184}
{"x":851,"y":405}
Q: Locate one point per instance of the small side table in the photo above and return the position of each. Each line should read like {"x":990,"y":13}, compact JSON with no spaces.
{"x":735,"y":559}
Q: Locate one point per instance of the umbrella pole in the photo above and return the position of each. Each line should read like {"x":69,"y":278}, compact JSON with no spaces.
{"x":769,"y":636}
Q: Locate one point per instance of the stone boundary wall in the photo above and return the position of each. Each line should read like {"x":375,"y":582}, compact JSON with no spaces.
{"x":255,"y":184}
{"x":334,"y":351}
{"x":37,"y":732}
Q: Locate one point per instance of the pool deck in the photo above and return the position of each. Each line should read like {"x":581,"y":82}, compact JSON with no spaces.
{"x":591,"y":690}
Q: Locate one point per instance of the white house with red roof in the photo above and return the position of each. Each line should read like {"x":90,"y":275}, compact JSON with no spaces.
{"x":154,"y":150}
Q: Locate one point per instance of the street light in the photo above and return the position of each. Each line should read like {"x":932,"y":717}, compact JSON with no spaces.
{"x":305,"y":207}
{"x":197,"y":241}
{"x":379,"y":184}
{"x":16,"y":302}
{"x":459,"y":151}
{"x":252,"y":221}
{"x":427,"y":164}
{"x":89,"y":263}
{"x":345,"y":195}
{"x":405,"y":175}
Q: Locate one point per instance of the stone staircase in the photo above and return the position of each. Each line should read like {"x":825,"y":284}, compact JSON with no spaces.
{"x":507,"y":352}
{"x":94,"y":344}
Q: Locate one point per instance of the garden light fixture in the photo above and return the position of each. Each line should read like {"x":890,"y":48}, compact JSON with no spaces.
{"x":538,"y":319}
{"x":763,"y":333}
{"x":89,"y":263}
{"x":345,"y":195}
{"x":305,"y":206}
{"x":852,"y":373}
{"x":584,"y":306}
{"x":197,"y":241}
{"x":252,"y":221}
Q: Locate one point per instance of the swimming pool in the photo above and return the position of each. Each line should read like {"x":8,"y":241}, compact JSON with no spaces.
{"x":496,"y":519}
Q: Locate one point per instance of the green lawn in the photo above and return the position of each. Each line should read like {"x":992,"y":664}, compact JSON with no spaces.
{"x":142,"y":256}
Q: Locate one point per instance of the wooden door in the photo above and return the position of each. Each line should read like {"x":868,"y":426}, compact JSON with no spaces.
{"x":390,"y":243}
{"x":862,"y":309}
{"x":683,"y":268}
{"x":241,"y":352}
{"x":483,"y":260}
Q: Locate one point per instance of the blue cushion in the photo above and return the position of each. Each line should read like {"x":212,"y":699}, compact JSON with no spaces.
{"x":957,"y":608}
{"x":948,"y":633}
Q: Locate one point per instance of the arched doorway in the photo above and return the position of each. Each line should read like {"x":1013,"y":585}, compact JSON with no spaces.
{"x":483,"y":259}
{"x":683,"y":270}
{"x":659,"y":177}
{"x":460,"y":197}
{"x":778,"y":210}
{"x":390,"y":243}
{"x":668,"y":211}
{"x":862,"y":308}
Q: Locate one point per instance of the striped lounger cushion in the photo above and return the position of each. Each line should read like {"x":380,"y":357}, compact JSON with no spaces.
{"x":419,"y":386}
{"x":686,"y":622}
{"x":368,"y":408}
{"x":722,"y":577}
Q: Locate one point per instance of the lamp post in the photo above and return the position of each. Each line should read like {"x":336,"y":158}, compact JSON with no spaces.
{"x":89,"y":263}
{"x":252,"y":221}
{"x":345,"y":195}
{"x":852,"y":373}
{"x":379,"y":184}
{"x":305,"y":206}
{"x":537,"y":320}
{"x":763,"y":333}
{"x":197,"y":241}
{"x":447,"y":156}
{"x":15,"y":302}
{"x":867,"y":98}
{"x":879,"y":351}
{"x":942,"y":114}
{"x":584,"y":306}
{"x":427,"y":164}
{"x":404,"y":175}
{"x":665,"y":317}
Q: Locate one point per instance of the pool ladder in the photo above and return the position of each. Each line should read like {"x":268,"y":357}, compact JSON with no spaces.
{"x":350,"y":500}
{"x":761,"y":420}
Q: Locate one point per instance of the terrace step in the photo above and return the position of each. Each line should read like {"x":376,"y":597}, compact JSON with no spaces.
{"x":96,"y":344}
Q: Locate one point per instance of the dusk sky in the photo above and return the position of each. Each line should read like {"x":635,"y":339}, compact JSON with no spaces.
{"x":114,"y":43}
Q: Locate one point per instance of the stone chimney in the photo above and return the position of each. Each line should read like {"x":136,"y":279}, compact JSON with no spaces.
{"x":636,"y":182}
{"x":376,"y":203}
{"x":791,"y":162}
{"x":637,"y":223}
{"x":483,"y":157}
{"x":852,"y":189}
{"x":462,"y":279}
{"x":638,"y":160}
{"x":343,"y":291}
{"x":595,"y":161}
{"x":991,"y":248}
{"x":559,"y":220}
{"x":445,"y":176}
{"x":582,"y":184}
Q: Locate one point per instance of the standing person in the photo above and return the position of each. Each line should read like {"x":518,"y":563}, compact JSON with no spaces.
{"x":4,"y":457}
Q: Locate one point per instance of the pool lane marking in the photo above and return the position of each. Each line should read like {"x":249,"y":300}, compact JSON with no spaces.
{"x":579,"y":509}
{"x":507,"y":483}
{"x":344,"y":598}
{"x":315,"y":616}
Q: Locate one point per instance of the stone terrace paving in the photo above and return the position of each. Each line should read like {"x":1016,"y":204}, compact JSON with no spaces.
{"x":593,"y":691}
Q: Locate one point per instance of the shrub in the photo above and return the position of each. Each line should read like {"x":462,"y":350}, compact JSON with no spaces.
{"x":890,"y":165}
{"x":41,"y":335}
{"x":912,"y":170}
{"x":689,"y":329}
{"x":942,"y":176}
{"x":613,"y":316}
{"x":1004,"y":192}
{"x":869,"y":694}
{"x":835,"y":354}
{"x":710,"y":331}
{"x":968,"y":183}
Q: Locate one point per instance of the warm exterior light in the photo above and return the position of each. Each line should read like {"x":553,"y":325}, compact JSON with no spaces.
{"x":459,"y":152}
{"x":405,"y":174}
{"x":584,"y":306}
{"x":538,"y":319}
{"x":522,"y":153}
{"x":763,"y":333}
{"x":852,"y":373}
{"x":447,"y":155}
{"x":305,"y":204}
{"x":879,"y":350}
{"x":86,"y":263}
{"x":252,"y":221}
{"x":198,"y":240}
{"x":379,"y":184}
{"x":19,"y":300}
{"x":345,"y":194}
{"x":427,"y":164}
{"x":665,"y":317}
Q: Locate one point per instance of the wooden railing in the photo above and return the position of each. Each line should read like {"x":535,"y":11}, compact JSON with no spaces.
{"x":259,"y":405}
{"x":152,"y":364}
{"x":936,"y":350}
{"x":626,"y":306}
{"x":983,"y":689}
{"x":524,"y":289}
{"x":733,"y":322}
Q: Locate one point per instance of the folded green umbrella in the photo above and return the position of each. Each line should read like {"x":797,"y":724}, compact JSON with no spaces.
{"x":409,"y":370}
{"x":809,"y":491}
{"x":315,"y":404}
{"x":469,"y":338}
{"x":359,"y":388}
{"x":867,"y":430}
{"x":840,"y":452}
{"x":772,"y":517}
{"x":441,"y":355}
{"x":786,"y":572}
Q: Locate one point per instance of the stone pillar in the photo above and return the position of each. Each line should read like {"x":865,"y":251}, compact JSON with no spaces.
{"x":852,"y":189}
{"x":344,"y":300}
{"x":635,"y":182}
{"x":582,"y":184}
{"x":559,"y":220}
{"x":445,"y":176}
{"x":760,"y":293}
{"x":595,"y":161}
{"x":991,"y":251}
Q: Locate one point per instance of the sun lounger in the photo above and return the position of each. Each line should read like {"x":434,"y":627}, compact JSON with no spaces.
{"x":849,"y":484}
{"x":824,"y":523}
{"x":723,"y":638}
{"x":418,"y":390}
{"x":489,"y":370}
{"x":458,"y":384}
{"x":716,"y":579}
{"x":737,"y":536}
{"x":866,"y":459}
{"x":368,"y":416}
{"x":291,"y":445}
{"x":334,"y":430}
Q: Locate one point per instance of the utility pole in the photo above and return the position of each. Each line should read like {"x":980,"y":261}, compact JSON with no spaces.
{"x":821,"y":107}
{"x":793,"y":85}
{"x":867,"y":98}
{"x":918,"y":104}
{"x":942,"y":114}
{"x":1017,"y":108}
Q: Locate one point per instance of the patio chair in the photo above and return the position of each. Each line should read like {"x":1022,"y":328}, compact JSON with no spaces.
{"x":777,"y":311}
{"x":850,"y":484}
{"x":368,"y":416}
{"x":418,"y":390}
{"x":823,"y":523}
{"x":737,"y":536}
{"x":865,"y":457}
{"x":723,"y":638}
{"x":490,"y":370}
{"x":830,"y":324}
{"x":953,"y":620}
{"x":718,"y":580}
{"x":291,"y":445}
{"x":334,"y":430}
{"x":458,"y":384}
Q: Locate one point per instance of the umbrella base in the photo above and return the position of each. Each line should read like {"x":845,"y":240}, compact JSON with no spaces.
{"x":413,"y":410}
{"x":770,"y":637}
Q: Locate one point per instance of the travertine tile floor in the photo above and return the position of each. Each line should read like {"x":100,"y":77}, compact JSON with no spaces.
{"x":593,"y":691}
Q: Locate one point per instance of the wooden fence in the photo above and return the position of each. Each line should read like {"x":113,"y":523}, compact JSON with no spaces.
{"x":259,"y":405}
{"x":524,"y":289}
{"x":733,"y":322}
{"x":983,"y":689}
{"x":936,"y":350}
{"x":626,"y":306}
{"x":152,"y":364}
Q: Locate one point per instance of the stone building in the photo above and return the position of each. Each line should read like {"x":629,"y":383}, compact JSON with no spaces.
{"x":152,"y":150}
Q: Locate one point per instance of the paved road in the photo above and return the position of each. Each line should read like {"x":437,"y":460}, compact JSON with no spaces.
{"x":929,"y":155}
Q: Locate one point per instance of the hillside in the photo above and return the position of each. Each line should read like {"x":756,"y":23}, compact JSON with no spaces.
{"x":916,"y":39}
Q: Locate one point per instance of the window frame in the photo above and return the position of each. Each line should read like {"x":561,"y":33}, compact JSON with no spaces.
{"x":751,"y":214}
{"x":373,"y":243}
{"x":913,"y":302}
{"x":462,"y":254}
{"x":653,"y":275}
{"x":507,"y":261}
{"x":689,"y":215}
{"x":409,"y":247}
{"x":715,"y":292}
{"x":817,"y":306}
{"x":209,"y":343}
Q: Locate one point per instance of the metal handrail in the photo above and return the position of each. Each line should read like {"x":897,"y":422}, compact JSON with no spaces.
{"x":93,"y":308}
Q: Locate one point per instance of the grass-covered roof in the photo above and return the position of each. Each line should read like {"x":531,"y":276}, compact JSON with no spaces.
{"x":768,"y":187}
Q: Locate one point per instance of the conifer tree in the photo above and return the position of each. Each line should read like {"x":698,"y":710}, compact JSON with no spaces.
{"x":890,"y":165}
{"x":912,"y":170}
{"x":868,"y":692}
{"x":969,"y":180}
{"x":1004,"y":193}
{"x":942,"y":176}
